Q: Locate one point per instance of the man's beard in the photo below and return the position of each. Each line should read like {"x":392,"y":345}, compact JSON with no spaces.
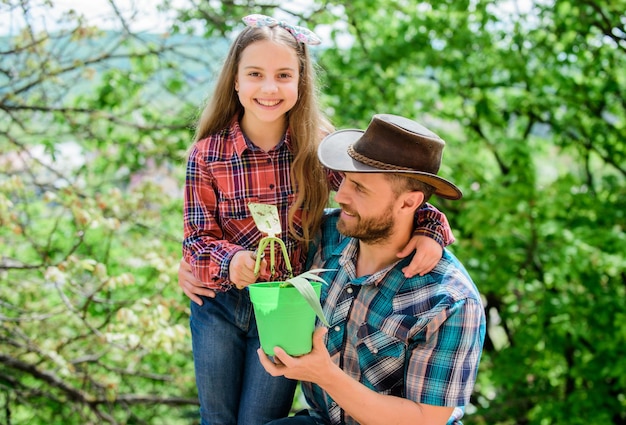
{"x":369,"y":230}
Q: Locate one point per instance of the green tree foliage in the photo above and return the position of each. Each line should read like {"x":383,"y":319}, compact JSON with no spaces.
{"x":94,"y":130}
{"x":94,"y":127}
{"x":532,"y":105}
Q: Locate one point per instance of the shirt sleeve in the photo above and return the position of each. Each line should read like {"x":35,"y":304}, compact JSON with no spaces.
{"x":442,"y":369}
{"x":334,"y":179}
{"x":204,"y":246}
{"x":431,"y":222}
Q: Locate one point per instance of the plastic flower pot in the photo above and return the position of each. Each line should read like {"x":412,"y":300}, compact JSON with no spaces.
{"x":284,"y":318}
{"x":284,"y":311}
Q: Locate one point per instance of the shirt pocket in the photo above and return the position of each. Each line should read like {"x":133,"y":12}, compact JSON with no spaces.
{"x":381,"y":358}
{"x":381,"y":344}
{"x":231,"y":208}
{"x":237,"y":223}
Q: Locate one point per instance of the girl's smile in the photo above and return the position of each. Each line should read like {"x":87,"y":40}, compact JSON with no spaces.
{"x":267,"y":83}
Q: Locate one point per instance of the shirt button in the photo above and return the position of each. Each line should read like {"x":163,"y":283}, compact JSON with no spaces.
{"x":349,"y":290}
{"x":271,"y":186}
{"x":337,"y":328}
{"x":375,"y":351}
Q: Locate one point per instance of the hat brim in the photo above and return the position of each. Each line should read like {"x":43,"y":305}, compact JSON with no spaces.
{"x":333,"y":154}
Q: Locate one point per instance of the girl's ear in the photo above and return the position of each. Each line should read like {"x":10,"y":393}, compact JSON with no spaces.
{"x":236,"y":84}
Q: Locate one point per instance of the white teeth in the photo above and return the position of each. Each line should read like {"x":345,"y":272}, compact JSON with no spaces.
{"x":268,"y":102}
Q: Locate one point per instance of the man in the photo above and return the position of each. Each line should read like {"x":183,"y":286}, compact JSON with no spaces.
{"x":399,"y":350}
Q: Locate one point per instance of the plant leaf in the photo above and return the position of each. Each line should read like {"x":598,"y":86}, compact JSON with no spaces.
{"x":303,"y":286}
{"x":311,"y":276}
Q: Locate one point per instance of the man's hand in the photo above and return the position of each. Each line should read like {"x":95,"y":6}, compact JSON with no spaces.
{"x":311,"y":367}
{"x":191,"y":286}
{"x":427,"y":254}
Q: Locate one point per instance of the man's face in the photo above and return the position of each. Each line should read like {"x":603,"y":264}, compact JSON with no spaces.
{"x":367,"y":204}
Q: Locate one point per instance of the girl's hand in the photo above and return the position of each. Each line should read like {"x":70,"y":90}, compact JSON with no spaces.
{"x":241,"y":269}
{"x":427,"y":254}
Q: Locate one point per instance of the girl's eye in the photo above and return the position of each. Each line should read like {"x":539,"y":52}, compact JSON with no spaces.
{"x":254,"y":74}
{"x":282,"y":76}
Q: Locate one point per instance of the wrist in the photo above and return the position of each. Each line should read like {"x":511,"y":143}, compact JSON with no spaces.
{"x":332,"y":376}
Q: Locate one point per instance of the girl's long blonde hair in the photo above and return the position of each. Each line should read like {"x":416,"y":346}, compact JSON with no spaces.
{"x":307,"y":125}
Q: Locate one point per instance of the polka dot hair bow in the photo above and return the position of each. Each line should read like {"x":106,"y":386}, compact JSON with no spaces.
{"x":303,"y":35}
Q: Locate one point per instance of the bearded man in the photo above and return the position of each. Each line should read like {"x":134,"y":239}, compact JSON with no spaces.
{"x":399,"y":350}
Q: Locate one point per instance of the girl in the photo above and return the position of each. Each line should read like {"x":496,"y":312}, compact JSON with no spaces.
{"x":256,"y":141}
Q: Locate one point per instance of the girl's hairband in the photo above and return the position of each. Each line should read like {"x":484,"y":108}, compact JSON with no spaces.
{"x":303,"y":35}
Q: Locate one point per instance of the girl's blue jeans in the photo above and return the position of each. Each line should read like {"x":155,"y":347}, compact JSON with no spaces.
{"x":233,"y":388}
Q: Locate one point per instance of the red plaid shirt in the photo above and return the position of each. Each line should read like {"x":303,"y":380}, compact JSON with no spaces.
{"x":225,"y":172}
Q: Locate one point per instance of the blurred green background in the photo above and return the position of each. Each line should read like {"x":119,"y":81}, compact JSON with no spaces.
{"x":97,"y":107}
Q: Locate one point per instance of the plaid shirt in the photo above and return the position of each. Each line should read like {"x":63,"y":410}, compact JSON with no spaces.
{"x":419,"y":338}
{"x":225,"y":172}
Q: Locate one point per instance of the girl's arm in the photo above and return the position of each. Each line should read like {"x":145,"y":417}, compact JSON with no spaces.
{"x":431,"y":222}
{"x":205,"y":249}
{"x":432,"y":233}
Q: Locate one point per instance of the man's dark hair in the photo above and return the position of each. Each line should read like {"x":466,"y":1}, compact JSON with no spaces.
{"x":401,"y":183}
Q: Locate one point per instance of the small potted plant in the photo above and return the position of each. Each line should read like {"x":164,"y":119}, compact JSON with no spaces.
{"x":285,"y":311}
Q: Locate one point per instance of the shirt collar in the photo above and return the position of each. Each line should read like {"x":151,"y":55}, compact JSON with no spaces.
{"x":348,"y":252}
{"x":242,"y":143}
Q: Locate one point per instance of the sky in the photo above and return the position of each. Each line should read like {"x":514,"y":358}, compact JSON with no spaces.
{"x":142,"y":15}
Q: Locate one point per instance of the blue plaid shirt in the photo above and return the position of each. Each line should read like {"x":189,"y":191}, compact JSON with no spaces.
{"x":419,"y":338}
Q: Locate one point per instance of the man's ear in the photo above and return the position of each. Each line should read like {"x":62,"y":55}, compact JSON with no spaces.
{"x":412,"y":201}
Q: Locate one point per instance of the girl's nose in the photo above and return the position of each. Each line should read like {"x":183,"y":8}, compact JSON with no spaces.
{"x":269,"y":86}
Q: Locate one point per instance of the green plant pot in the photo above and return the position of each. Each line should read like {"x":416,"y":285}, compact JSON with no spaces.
{"x":283,"y":317}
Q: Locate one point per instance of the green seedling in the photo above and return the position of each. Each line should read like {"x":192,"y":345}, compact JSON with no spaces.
{"x":267,"y":221}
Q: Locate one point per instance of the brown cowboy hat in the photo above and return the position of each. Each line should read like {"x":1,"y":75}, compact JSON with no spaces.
{"x":390,"y":144}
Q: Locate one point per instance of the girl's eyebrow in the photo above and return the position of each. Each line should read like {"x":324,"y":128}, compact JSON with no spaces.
{"x":286,"y":68}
